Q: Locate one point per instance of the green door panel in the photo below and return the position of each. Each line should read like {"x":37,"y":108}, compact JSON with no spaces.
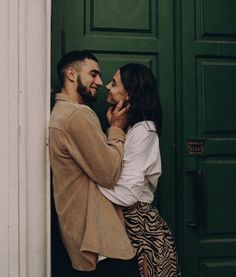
{"x":218,"y":18}
{"x":115,"y":28}
{"x":217,"y":268}
{"x":218,"y":196}
{"x":121,"y":15}
{"x":209,"y":113}
{"x":216,"y":95}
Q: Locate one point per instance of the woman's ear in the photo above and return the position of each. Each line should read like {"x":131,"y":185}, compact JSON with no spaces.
{"x":127,"y":97}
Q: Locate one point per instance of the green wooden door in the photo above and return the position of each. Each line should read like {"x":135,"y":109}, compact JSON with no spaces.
{"x":209,"y":137}
{"x":191,"y":48}
{"x":118,"y":32}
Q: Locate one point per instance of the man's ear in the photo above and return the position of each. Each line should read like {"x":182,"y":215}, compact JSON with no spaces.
{"x":71,"y":74}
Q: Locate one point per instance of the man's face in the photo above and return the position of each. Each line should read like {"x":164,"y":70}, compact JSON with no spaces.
{"x":89,"y":80}
{"x":116,"y":90}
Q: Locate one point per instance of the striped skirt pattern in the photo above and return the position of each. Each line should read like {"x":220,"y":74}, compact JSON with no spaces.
{"x":151,"y":237}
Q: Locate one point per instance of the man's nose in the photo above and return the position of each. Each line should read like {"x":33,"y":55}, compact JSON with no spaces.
{"x":99,"y":81}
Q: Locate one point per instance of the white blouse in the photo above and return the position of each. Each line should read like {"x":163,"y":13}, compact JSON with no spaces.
{"x":141,"y":167}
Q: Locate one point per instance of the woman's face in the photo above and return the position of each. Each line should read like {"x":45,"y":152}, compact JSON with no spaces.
{"x":116,"y":90}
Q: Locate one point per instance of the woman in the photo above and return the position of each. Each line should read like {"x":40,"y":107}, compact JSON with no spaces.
{"x":150,"y":235}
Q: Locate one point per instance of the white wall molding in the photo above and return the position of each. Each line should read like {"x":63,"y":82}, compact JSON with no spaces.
{"x":24,"y":114}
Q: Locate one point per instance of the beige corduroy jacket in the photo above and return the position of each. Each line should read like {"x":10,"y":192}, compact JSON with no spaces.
{"x":81,"y":156}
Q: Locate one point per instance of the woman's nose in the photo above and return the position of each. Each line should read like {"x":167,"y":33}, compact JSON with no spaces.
{"x":108,"y":86}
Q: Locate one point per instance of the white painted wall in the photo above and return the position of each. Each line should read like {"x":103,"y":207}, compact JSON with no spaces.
{"x":24,"y":113}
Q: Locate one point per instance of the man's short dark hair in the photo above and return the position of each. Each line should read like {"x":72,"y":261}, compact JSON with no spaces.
{"x":69,"y":59}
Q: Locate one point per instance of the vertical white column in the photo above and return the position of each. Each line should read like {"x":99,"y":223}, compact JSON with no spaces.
{"x":36,"y":103}
{"x":24,"y":114}
{"x":22,"y":119}
{"x":9,"y":184}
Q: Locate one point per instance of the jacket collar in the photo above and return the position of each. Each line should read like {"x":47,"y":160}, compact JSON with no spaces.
{"x":64,"y":97}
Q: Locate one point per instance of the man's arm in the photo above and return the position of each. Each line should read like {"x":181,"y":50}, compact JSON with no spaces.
{"x":100,"y":157}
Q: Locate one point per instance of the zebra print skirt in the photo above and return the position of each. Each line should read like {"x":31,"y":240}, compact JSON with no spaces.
{"x":151,"y":237}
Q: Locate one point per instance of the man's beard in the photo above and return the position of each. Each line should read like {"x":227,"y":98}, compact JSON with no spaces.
{"x":85,"y":93}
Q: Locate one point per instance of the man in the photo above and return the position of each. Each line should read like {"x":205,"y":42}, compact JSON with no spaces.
{"x":81,"y":157}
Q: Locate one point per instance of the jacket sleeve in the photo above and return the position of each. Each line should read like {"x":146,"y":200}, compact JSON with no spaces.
{"x":98,"y":155}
